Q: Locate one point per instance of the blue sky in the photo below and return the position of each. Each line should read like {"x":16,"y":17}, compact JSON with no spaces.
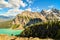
{"x":45,"y":4}
{"x":12,"y":7}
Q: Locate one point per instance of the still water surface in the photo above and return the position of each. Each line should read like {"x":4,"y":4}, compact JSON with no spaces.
{"x":10,"y":31}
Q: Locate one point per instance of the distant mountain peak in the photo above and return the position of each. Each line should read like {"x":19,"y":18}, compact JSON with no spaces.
{"x":52,"y":13}
{"x":6,"y":18}
{"x":52,"y":10}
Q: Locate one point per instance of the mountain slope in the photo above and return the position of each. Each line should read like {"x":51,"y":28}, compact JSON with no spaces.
{"x":51,"y":14}
{"x":5,"y":18}
{"x":5,"y":21}
{"x":28,"y":18}
{"x":5,"y":24}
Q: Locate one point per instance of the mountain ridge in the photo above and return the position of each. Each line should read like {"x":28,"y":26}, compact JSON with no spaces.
{"x":6,"y":18}
{"x":27,"y":18}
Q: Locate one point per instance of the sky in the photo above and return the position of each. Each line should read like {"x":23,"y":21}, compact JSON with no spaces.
{"x":14,"y":7}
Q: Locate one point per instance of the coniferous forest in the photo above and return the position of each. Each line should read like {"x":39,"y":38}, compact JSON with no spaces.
{"x":50,"y":29}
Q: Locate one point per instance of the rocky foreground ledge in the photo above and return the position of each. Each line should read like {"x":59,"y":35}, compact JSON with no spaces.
{"x":6,"y":37}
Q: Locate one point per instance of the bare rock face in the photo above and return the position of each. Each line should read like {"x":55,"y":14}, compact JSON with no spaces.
{"x":26,"y":16}
{"x":6,"y":37}
{"x":51,"y":14}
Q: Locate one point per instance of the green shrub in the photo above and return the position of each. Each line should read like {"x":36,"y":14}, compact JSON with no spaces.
{"x":14,"y":26}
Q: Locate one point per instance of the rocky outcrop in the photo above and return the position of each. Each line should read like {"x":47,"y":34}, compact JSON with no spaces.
{"x":5,"y":37}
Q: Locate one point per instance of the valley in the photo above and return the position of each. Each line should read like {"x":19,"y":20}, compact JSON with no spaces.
{"x":5,"y":24}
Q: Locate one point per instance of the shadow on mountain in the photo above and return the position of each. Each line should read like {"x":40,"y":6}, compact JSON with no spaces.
{"x":33,"y":21}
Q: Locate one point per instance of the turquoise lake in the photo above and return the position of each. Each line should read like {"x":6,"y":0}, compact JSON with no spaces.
{"x":10,"y":31}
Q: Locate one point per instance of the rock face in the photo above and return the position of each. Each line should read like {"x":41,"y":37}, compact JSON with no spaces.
{"x":5,"y":37}
{"x":28,"y":17}
{"x":51,"y":14}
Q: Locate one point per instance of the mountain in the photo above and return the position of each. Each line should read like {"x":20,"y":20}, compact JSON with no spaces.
{"x":5,"y":18}
{"x":5,"y":24}
{"x":5,"y":21}
{"x":51,"y":14}
{"x":27,"y":18}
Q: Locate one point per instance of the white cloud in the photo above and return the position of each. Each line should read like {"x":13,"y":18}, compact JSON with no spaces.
{"x":4,"y":4}
{"x":36,"y":9}
{"x":12,"y":3}
{"x":51,"y":6}
{"x":12,"y":12}
{"x":29,"y":9}
{"x":23,"y":4}
{"x":29,"y":1}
